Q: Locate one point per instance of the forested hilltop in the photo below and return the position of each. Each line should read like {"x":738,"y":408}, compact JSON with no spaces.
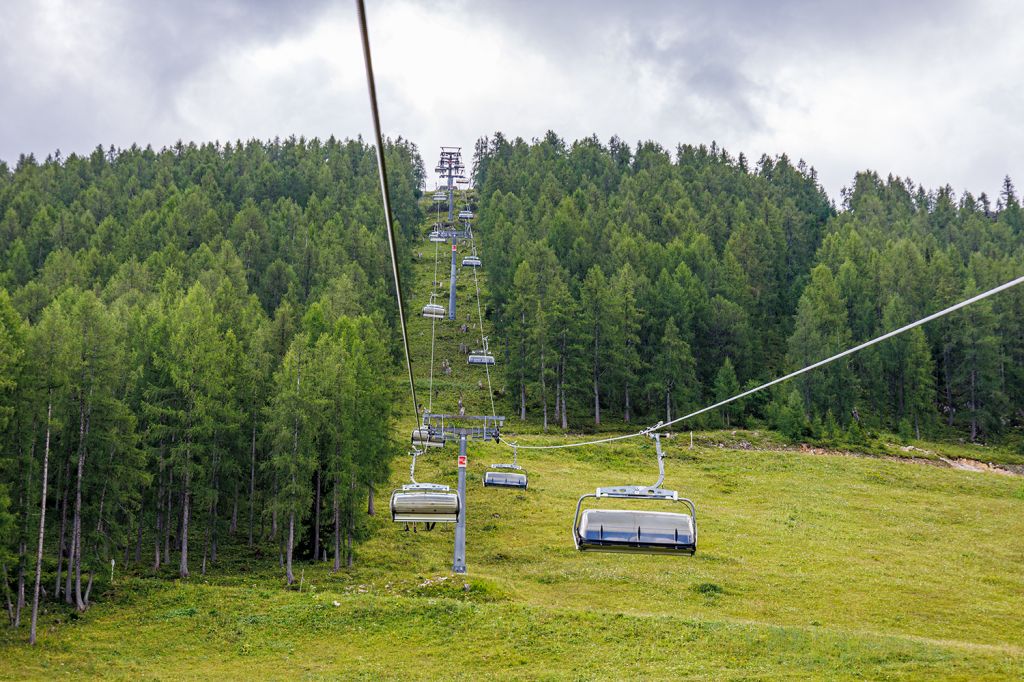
{"x":193,"y":342}
{"x":639,"y":283}
{"x":200,"y":342}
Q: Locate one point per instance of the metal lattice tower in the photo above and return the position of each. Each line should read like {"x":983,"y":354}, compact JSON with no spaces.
{"x":451,"y":168}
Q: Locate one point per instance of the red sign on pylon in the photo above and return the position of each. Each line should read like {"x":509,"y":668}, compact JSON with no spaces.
{"x":453,"y":248}
{"x":462,"y":461}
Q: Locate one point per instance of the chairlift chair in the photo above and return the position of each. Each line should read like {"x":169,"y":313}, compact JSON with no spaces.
{"x":635,"y":531}
{"x":471,"y":261}
{"x":426,"y":437}
{"x":440,"y":196}
{"x":436,"y":236}
{"x":433,"y":310}
{"x":427,"y":503}
{"x":506,"y":475}
{"x":465,"y":214}
{"x":424,"y":503}
{"x":480,"y":357}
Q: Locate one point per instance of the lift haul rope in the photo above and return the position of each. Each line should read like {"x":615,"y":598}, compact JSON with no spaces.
{"x":386,"y":195}
{"x":480,"y":315}
{"x":779,"y":380}
{"x":433,"y":323}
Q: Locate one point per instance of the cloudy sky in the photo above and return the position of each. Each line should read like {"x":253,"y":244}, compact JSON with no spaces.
{"x":930,"y":90}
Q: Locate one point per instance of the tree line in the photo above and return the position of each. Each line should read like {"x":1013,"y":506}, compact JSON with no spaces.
{"x":641,"y":282}
{"x":195,"y":344}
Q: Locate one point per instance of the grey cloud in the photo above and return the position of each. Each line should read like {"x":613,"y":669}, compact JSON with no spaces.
{"x":120,"y":86}
{"x":746,"y":73}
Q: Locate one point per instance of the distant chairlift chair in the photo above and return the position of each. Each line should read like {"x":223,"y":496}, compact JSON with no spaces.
{"x":433,"y":310}
{"x":633,"y":531}
{"x":507,"y":475}
{"x":471,"y":262}
{"x":481,"y":357}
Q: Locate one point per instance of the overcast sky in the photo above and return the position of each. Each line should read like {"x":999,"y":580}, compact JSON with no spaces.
{"x":929,"y":90}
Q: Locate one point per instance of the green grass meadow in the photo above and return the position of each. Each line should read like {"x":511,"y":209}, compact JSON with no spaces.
{"x":809,"y":566}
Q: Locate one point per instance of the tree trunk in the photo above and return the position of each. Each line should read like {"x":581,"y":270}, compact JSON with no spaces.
{"x":88,"y":589}
{"x":625,"y":415}
{"x":371,"y":507}
{"x":668,"y":406}
{"x":561,"y":384}
{"x":974,"y":407}
{"x":138,"y":534}
{"x":207,"y":537}
{"x":76,"y":542}
{"x":291,"y":542}
{"x":42,"y":523}
{"x":543,"y":390}
{"x":234,"y":513}
{"x":558,"y":395}
{"x":7,"y":597}
{"x":522,"y":369}
{"x":62,"y":488}
{"x":186,"y":500}
{"x":168,"y":516}
{"x":273,"y":512}
{"x":597,"y":392}
{"x":337,"y":527}
{"x":20,"y":599}
{"x":950,"y":411}
{"x":69,"y":574}
{"x":316,"y":518}
{"x":158,"y":524}
{"x":350,"y":556}
{"x":26,"y":505}
{"x":252,"y":480}
{"x":213,"y":530}
{"x":522,"y":400}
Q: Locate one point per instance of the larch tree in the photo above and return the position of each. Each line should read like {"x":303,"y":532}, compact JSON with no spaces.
{"x":292,"y":418}
{"x":597,"y":308}
{"x":51,"y":341}
{"x":195,"y":362}
{"x":674,"y":371}
{"x":95,"y":357}
{"x":820,"y":331}
{"x":626,"y":352}
{"x":726,"y":386}
{"x":976,"y":372}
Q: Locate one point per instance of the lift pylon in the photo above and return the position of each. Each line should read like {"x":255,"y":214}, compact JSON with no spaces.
{"x":451,"y":169}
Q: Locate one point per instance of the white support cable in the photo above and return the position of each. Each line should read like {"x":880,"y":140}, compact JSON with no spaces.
{"x":430,"y":386}
{"x":433,"y":322}
{"x":779,"y":380}
{"x":480,"y":316}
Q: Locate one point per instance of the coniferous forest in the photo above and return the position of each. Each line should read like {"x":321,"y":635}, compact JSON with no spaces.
{"x":194,"y":343}
{"x":201,"y":342}
{"x":643,"y":283}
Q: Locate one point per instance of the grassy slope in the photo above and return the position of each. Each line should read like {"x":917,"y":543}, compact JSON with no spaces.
{"x":809,"y":566}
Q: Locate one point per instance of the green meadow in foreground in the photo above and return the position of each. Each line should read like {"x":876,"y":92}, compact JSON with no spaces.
{"x":809,"y":566}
